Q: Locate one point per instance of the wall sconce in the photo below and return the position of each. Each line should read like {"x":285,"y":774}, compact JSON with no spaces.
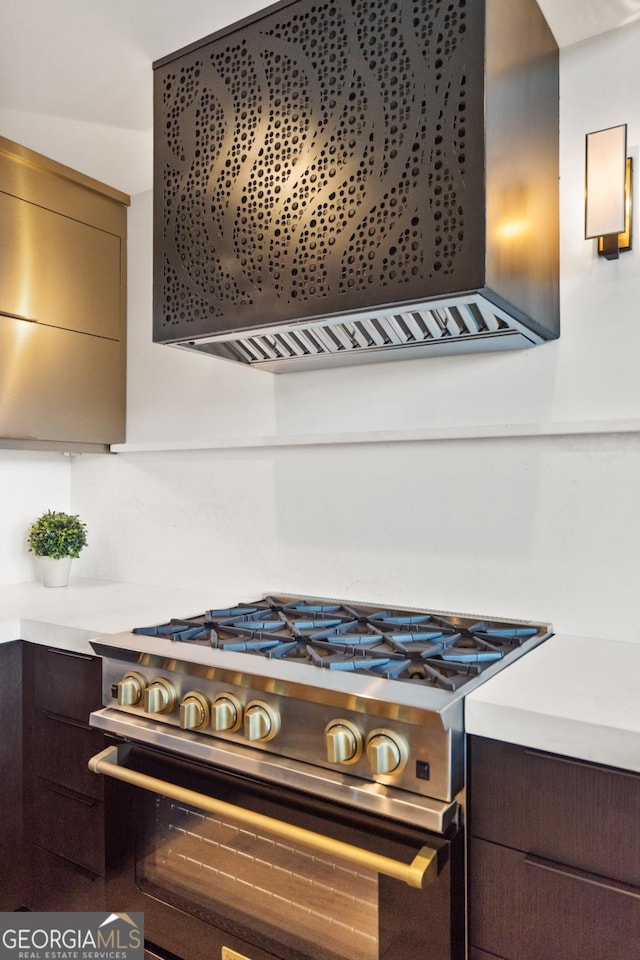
{"x":608,"y":191}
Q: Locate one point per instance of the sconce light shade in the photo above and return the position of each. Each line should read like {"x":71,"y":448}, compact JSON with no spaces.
{"x":607,"y":190}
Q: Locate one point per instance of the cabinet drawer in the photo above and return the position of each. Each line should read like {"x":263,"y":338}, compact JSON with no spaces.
{"x":61,"y":751}
{"x":67,"y":684}
{"x":525,"y":908}
{"x":70,"y":826}
{"x":565,"y":810}
{"x":60,"y":885}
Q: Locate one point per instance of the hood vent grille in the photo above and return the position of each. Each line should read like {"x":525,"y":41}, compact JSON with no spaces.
{"x":439,"y":329}
{"x":335,"y":178}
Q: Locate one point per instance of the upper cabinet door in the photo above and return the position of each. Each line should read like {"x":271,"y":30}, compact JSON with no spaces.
{"x":63,"y":305}
{"x":57,"y":270}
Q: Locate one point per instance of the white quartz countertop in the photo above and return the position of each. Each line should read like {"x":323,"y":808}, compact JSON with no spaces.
{"x":68,"y":617}
{"x":573,"y":696}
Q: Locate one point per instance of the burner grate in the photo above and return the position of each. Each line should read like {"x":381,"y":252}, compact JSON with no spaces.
{"x":411,"y":646}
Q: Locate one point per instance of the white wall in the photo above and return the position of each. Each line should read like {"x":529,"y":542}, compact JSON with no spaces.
{"x":122,"y":158}
{"x":172,"y":394}
{"x":542,"y":528}
{"x":30,"y":484}
{"x":546,"y":527}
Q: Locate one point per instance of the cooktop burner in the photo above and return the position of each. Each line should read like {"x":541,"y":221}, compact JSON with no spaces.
{"x":416,"y":647}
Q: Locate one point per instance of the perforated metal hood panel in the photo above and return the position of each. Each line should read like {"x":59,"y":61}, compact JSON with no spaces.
{"x":347,"y":180}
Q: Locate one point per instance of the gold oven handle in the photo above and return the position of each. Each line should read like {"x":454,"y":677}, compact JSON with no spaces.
{"x":422,"y":870}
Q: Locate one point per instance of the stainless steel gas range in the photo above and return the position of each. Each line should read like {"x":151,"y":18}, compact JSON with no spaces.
{"x":293,"y":771}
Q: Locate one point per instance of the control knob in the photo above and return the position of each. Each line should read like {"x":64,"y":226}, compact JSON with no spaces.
{"x":226,"y":713}
{"x":194,"y":711}
{"x":261,"y":721}
{"x":130,"y":689}
{"x":160,"y":696}
{"x":386,"y":752}
{"x":343,"y":741}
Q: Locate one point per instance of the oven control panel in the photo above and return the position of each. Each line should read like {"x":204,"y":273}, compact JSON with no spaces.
{"x":411,"y":755}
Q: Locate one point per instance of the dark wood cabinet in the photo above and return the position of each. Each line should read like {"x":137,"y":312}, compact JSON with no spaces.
{"x":554,"y":857}
{"x":69,"y":825}
{"x":12,"y":888}
{"x":475,"y":954}
{"x":59,"y":884}
{"x":58,"y":743}
{"x":65,"y":809}
{"x":66,"y":683}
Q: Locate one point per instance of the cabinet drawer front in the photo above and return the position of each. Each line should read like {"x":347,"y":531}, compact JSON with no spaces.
{"x":67,"y":684}
{"x":70,"y":826}
{"x":62,"y":749}
{"x":522,"y":908}
{"x":60,"y":885}
{"x":569,"y":811}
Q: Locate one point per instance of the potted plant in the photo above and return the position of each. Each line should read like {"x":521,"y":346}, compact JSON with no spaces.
{"x":55,"y":538}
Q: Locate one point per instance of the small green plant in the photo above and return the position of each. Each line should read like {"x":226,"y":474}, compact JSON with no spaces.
{"x":57,"y":535}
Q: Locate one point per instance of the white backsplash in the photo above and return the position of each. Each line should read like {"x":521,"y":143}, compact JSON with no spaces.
{"x":542,"y":529}
{"x":30,"y":484}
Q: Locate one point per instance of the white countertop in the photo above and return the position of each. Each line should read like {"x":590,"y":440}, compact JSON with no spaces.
{"x":574,"y":696}
{"x":68,"y":617}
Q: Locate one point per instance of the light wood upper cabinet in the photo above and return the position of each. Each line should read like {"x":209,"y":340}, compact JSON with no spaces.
{"x":62,"y":305}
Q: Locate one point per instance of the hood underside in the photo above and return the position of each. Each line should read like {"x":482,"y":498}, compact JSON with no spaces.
{"x":450,"y":326}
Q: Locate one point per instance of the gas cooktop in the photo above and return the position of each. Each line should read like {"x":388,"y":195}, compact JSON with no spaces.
{"x":362,"y":691}
{"x":445,"y":651}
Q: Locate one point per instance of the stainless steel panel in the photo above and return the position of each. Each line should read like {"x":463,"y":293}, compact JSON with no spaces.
{"x":57,"y":270}
{"x":59,"y":385}
{"x":446,"y":346}
{"x":439,"y":327}
{"x":303,"y":722}
{"x":400,"y":805}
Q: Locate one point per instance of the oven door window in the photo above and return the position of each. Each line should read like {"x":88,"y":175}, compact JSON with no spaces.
{"x":277,"y":894}
{"x":256,"y":884}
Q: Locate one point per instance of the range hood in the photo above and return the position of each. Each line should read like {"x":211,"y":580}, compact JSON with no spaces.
{"x":344,"y":181}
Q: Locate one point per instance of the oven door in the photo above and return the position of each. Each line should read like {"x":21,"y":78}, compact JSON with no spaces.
{"x":226,"y":867}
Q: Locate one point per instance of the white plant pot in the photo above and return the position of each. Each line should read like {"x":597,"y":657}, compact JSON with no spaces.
{"x":55,"y":573}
